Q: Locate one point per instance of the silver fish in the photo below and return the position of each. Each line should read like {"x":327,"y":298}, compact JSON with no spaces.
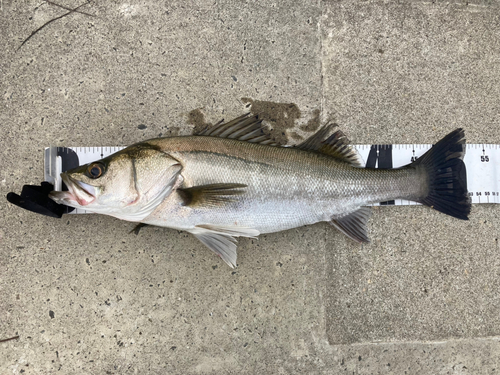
{"x":233,"y":181}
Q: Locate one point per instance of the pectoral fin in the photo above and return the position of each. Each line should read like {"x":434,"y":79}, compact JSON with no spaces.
{"x":211,"y":195}
{"x":354,"y":225}
{"x":221,"y":239}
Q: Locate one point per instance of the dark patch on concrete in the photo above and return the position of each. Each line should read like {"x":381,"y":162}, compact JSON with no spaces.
{"x":197,"y":118}
{"x":51,"y":314}
{"x":313,"y":124}
{"x":281,"y":116}
{"x":173,"y":131}
{"x":170,"y":132}
{"x":295,"y":136}
{"x":141,"y":127}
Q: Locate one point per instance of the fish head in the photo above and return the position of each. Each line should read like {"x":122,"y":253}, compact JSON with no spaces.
{"x":129,"y":184}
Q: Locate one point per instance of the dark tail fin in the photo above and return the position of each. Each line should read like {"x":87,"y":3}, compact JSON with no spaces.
{"x":447,"y":176}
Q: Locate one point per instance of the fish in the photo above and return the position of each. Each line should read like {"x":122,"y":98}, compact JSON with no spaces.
{"x":233,"y":180}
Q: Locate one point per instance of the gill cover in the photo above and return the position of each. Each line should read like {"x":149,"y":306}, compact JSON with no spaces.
{"x":155,"y":174}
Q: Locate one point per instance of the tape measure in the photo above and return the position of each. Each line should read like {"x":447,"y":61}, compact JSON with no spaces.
{"x":482,"y":162}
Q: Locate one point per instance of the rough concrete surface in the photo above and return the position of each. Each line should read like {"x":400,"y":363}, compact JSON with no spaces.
{"x":86,"y":297}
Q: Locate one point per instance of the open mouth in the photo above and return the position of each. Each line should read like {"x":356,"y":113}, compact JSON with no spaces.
{"x":79,"y":194}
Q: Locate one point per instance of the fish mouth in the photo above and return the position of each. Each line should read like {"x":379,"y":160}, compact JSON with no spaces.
{"x":79,"y":194}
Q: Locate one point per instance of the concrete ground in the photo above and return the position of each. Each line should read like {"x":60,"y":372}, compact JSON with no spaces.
{"x":86,"y":297}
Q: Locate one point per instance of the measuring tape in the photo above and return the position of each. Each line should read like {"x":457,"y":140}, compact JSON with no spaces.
{"x":482,"y":162}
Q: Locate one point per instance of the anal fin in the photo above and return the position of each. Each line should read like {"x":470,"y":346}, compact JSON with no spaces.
{"x":354,"y":225}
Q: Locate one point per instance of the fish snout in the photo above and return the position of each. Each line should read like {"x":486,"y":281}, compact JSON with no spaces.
{"x":78,"y":191}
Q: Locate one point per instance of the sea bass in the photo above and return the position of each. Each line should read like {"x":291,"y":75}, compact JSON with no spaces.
{"x":232,"y":180}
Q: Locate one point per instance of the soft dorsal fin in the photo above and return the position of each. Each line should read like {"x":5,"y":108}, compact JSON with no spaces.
{"x":244,"y":128}
{"x":336,"y":145}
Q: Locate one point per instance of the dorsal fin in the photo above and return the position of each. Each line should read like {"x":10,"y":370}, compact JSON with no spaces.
{"x":336,"y":145}
{"x":244,"y":128}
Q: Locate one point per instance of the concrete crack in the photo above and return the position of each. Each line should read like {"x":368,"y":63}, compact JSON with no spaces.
{"x":74,"y":10}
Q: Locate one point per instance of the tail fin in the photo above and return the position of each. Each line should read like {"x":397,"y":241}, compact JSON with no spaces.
{"x":447,"y":176}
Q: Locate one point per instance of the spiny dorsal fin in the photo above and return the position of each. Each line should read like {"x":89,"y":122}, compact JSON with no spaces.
{"x":336,"y":145}
{"x":244,"y":128}
{"x":211,"y":195}
{"x":354,"y":225}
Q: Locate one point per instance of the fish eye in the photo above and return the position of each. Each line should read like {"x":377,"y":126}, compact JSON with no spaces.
{"x":95,"y":170}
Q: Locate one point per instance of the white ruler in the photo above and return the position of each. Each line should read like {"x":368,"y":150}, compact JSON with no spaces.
{"x":482,"y":162}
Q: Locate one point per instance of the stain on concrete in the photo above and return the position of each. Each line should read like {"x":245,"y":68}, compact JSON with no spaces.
{"x":173,"y":131}
{"x":281,"y":116}
{"x":295,"y":136}
{"x":313,"y":124}
{"x":197,"y":118}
